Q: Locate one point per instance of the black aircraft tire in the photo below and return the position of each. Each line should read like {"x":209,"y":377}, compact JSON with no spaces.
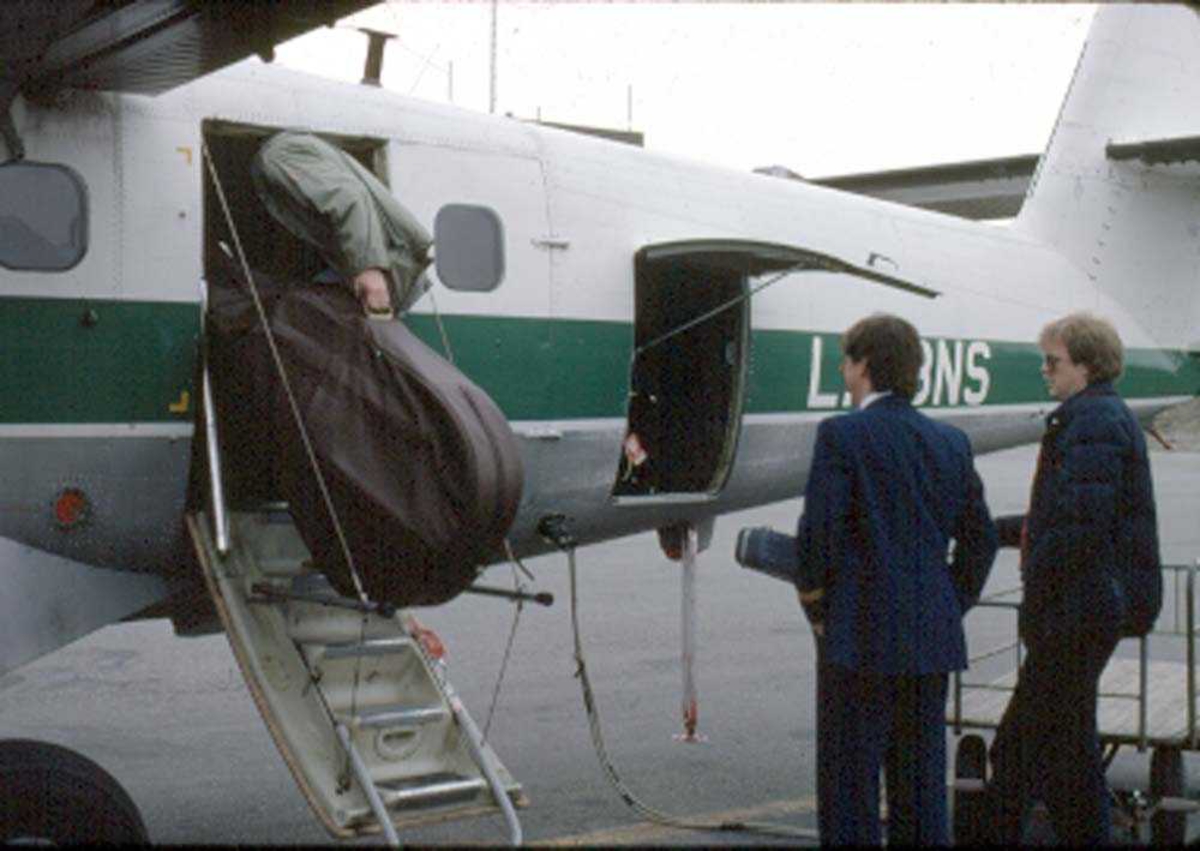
{"x":970,"y":763}
{"x":1167,"y":780}
{"x":50,"y":793}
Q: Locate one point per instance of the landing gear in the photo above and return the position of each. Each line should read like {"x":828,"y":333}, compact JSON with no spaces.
{"x":970,"y":779}
{"x":51,"y":794}
{"x":1168,"y":826}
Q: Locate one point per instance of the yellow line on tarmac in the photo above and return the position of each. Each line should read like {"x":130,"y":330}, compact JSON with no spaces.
{"x":648,"y":833}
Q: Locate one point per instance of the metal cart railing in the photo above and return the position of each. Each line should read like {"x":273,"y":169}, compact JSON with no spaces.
{"x":1143,"y":703}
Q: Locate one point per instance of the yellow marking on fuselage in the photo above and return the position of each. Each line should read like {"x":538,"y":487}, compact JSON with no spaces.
{"x":182,"y":405}
{"x":186,"y":150}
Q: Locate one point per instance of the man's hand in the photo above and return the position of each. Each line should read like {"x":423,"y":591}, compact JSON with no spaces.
{"x":814,"y":608}
{"x":371,"y":290}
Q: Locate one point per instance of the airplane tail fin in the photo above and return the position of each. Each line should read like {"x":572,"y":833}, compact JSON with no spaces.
{"x":1117,"y":191}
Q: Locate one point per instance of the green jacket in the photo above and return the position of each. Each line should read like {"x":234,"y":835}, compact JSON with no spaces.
{"x":326,"y":197}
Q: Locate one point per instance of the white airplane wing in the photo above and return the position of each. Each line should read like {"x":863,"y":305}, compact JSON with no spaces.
{"x":146,"y":46}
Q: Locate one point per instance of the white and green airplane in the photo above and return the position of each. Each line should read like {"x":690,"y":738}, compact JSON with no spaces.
{"x":621,"y":282}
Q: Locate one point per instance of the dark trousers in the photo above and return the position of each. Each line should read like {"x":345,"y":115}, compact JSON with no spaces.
{"x":1046,"y":746}
{"x":866,"y":722}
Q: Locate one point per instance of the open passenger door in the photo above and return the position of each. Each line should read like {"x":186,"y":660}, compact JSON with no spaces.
{"x":687,"y":379}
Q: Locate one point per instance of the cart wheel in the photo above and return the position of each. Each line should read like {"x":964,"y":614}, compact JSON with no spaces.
{"x":1167,"y":780}
{"x":970,"y":765}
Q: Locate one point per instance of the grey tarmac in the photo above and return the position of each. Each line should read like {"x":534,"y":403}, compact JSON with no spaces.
{"x":170,"y":718}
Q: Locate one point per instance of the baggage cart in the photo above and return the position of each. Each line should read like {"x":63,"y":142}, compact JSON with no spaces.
{"x":1144,"y":703}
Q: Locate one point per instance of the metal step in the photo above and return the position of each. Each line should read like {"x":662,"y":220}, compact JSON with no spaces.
{"x":337,"y":686}
{"x":279,"y":549}
{"x":272,"y":542}
{"x":395,"y":718}
{"x":314,"y":624}
{"x":431,"y":790}
{"x":378,"y":674}
{"x":375,"y":647}
{"x":284,"y":566}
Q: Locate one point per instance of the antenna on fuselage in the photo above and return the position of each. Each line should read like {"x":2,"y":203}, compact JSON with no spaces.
{"x":373,"y":67}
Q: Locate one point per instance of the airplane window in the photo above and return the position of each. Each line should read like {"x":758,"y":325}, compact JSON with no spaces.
{"x":43,"y":217}
{"x":468,"y":247}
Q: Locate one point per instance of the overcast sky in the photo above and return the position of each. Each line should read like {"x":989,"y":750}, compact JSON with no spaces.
{"x":820,"y":88}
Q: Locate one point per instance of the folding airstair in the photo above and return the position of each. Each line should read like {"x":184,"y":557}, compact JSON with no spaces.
{"x":364,"y":717}
{"x":367,"y":722}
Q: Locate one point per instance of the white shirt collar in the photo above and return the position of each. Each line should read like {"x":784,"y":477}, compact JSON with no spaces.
{"x":874,"y":397}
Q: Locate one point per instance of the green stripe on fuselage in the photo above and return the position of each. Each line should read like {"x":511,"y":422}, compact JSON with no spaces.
{"x":538,"y":369}
{"x":90,"y":361}
{"x":136,"y":360}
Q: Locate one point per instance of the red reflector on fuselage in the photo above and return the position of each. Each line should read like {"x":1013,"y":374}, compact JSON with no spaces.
{"x":71,"y":508}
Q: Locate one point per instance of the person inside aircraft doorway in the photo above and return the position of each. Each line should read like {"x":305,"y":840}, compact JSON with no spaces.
{"x":888,"y":490}
{"x":327,"y":198}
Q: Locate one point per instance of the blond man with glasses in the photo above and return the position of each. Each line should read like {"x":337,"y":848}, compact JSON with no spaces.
{"x":1091,"y":574}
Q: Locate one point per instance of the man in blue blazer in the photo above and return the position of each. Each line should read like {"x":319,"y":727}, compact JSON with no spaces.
{"x":888,"y":492}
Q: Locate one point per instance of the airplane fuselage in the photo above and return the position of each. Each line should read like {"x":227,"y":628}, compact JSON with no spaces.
{"x":102,"y":358}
